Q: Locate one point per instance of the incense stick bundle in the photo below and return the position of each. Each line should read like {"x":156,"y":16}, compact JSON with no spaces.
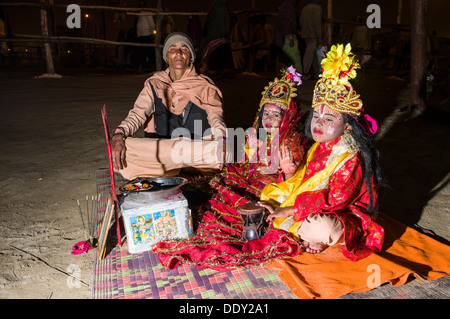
{"x":91,"y":216}
{"x":87,"y":208}
{"x":94,"y":216}
{"x":92,"y":219}
{"x":81,"y":214}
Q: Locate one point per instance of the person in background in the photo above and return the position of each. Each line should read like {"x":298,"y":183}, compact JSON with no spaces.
{"x":236,"y":43}
{"x":214,"y":48}
{"x":145,"y":29}
{"x":194,"y":29}
{"x":285,"y":35}
{"x":167,"y":25}
{"x":311,"y":31}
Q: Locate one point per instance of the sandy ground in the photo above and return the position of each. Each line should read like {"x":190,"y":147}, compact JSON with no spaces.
{"x":53,"y":142}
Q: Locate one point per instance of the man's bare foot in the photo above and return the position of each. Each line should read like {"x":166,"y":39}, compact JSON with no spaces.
{"x":313,"y":248}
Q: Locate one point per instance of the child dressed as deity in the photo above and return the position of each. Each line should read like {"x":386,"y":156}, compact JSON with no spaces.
{"x":332,"y":197}
{"x":277,"y":127}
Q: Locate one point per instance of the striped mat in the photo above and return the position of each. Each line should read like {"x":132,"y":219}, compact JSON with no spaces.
{"x":121,"y":275}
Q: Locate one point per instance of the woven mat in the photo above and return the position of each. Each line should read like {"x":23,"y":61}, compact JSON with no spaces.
{"x":121,"y":275}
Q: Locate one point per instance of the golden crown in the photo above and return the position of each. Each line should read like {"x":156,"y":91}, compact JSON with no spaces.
{"x":281,"y":91}
{"x":339,"y":97}
{"x":333,"y":88}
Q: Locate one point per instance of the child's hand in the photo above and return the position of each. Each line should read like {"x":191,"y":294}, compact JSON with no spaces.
{"x":252,"y":139}
{"x":287,"y":163}
{"x":280,"y":212}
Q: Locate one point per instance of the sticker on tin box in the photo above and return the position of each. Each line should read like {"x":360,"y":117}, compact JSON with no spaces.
{"x":142,"y":227}
{"x":165,"y":223}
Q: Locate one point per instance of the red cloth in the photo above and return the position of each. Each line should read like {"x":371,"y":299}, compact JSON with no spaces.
{"x":218,"y":243}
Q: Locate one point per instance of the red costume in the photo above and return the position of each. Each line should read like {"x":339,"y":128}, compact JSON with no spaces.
{"x":347,"y":198}
{"x":217,"y":243}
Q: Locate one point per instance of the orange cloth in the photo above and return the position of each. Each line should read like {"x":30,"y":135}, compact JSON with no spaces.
{"x":331,"y":275}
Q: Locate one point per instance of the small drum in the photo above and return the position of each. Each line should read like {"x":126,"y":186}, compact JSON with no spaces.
{"x":252,"y":217}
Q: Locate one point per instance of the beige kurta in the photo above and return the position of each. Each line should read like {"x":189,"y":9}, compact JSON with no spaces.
{"x":151,"y":157}
{"x":154,"y":157}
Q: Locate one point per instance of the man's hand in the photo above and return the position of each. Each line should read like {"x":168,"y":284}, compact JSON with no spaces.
{"x":118,"y":150}
{"x":223,"y":156}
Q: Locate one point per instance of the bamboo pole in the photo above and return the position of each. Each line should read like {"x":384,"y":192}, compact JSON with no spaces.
{"x":130,"y":11}
{"x":34,"y":5}
{"x":47,"y":49}
{"x":145,"y":13}
{"x":34,"y":38}
{"x":418,"y":54}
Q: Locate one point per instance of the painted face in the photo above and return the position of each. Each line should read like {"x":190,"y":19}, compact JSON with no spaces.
{"x":326,"y":124}
{"x":271,"y":117}
{"x":178,"y":56}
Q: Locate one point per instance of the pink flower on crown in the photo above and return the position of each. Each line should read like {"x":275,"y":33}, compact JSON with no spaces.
{"x":294,"y":76}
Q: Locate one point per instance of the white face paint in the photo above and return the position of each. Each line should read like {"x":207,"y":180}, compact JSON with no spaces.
{"x":326,"y":124}
{"x":330,"y":130}
{"x":271,"y":117}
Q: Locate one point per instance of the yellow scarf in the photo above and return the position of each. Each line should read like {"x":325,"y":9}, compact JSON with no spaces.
{"x":285,"y":193}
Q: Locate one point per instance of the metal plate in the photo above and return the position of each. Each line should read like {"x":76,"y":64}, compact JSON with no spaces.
{"x":161,"y":187}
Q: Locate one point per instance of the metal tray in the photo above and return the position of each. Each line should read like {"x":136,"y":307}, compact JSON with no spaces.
{"x":161,"y":187}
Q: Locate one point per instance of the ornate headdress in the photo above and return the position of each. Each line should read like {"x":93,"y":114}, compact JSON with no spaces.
{"x":281,"y":91}
{"x":334,"y":89}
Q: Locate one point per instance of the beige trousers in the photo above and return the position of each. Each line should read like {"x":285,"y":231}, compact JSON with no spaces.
{"x":152,"y":157}
{"x":322,"y":228}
